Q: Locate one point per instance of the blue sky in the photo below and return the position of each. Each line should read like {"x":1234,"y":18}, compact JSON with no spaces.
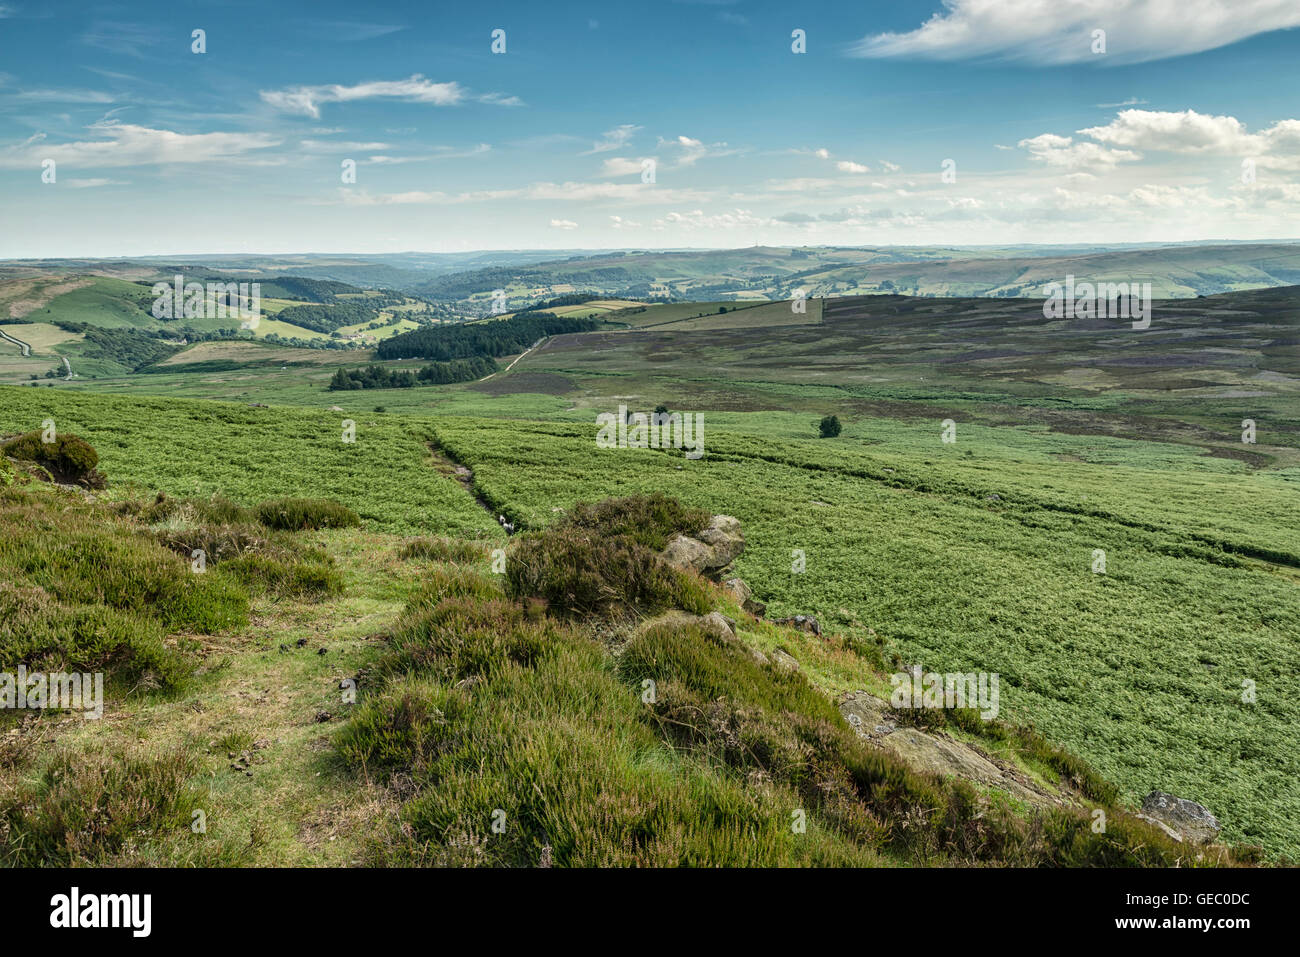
{"x":1186,"y":127}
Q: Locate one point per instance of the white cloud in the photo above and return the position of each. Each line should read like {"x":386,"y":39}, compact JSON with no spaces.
{"x":698,"y":219}
{"x":500,"y":99}
{"x":613,"y":139}
{"x":323,"y":146}
{"x":563,"y":224}
{"x":123,"y":144}
{"x":1063,"y":151}
{"x":620,"y":166}
{"x":847,"y":166}
{"x":572,"y":192}
{"x":1193,"y":133}
{"x":92,"y":183}
{"x":689,"y":151}
{"x":1060,"y":31}
{"x":307,"y":100}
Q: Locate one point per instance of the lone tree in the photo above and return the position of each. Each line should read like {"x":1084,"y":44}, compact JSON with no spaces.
{"x":830,"y":426}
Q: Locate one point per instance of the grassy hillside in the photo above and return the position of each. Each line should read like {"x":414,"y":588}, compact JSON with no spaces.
{"x":242,"y":750}
{"x":980,"y":554}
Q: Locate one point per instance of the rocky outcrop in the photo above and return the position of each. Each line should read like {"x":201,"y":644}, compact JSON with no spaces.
{"x":741,"y":592}
{"x":1190,"y":822}
{"x":866,"y":714}
{"x":801,"y":623}
{"x":784,"y":661}
{"x":932,"y":752}
{"x":710,"y":551}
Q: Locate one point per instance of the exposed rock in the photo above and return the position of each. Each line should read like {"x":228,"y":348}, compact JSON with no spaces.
{"x":940,"y":755}
{"x":742,"y":593}
{"x":718,"y":624}
{"x":866,"y":714}
{"x":784,"y":661}
{"x":709,"y":552}
{"x":1161,"y":825}
{"x":737,"y":589}
{"x":801,"y":623}
{"x":1193,"y":821}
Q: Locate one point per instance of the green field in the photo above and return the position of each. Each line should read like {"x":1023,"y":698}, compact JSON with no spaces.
{"x":1172,"y":670}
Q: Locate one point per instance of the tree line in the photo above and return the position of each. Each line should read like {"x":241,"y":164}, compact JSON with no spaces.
{"x":501,"y":337}
{"x":439,"y":373}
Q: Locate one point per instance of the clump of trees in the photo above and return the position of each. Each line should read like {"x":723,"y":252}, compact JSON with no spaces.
{"x":830,"y":426}
{"x":328,"y":318}
{"x":501,"y":337}
{"x":438,"y":373}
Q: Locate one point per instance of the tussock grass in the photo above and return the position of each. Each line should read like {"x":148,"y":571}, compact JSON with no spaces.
{"x":443,"y":549}
{"x":98,"y":808}
{"x":296,"y":514}
{"x":84,"y":590}
{"x":603,"y":560}
{"x":265,"y":560}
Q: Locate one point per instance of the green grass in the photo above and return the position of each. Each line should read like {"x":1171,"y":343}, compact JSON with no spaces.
{"x":523,"y":740}
{"x":187,"y":448}
{"x":1139,"y":670}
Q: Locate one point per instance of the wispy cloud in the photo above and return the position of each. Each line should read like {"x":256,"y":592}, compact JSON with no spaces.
{"x":129,"y":39}
{"x":689,"y":151}
{"x":308,"y":100}
{"x":122,"y":144}
{"x":93,"y":183}
{"x":613,"y":139}
{"x":1131,"y":101}
{"x":1062,"y":31}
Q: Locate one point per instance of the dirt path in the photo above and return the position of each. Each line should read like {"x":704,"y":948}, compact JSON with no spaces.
{"x":269,"y":694}
{"x":517,"y":358}
{"x":27,"y":349}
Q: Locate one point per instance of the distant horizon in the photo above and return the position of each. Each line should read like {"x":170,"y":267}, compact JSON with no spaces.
{"x":655,"y":249}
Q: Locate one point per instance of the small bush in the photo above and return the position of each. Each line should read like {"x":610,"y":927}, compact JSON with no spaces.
{"x":830,"y":427}
{"x":296,"y":514}
{"x":649,"y":520}
{"x":262,"y":574}
{"x":402,"y":728}
{"x":583,"y":573}
{"x":69,"y":459}
{"x":450,"y":581}
{"x":464,"y":637}
{"x":90,"y":808}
